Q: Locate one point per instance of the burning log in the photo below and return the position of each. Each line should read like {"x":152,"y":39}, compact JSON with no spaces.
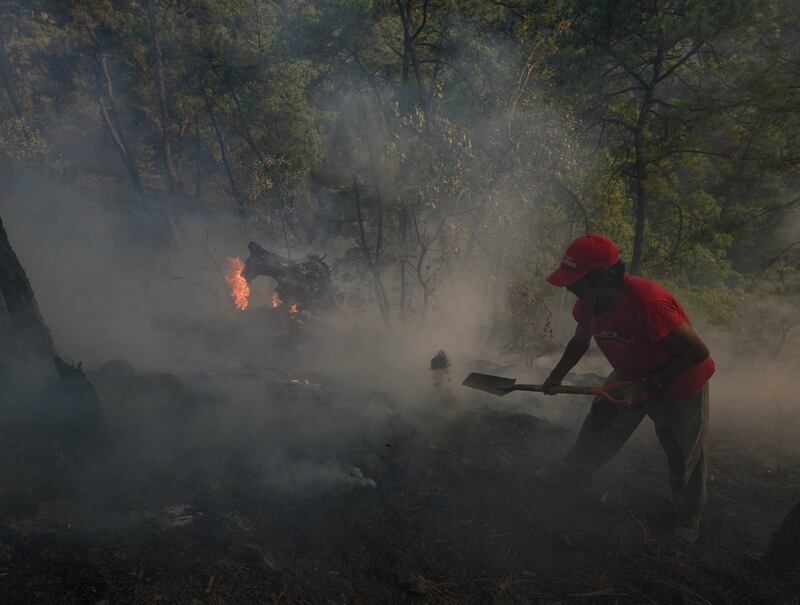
{"x":303,"y":285}
{"x":240,"y":289}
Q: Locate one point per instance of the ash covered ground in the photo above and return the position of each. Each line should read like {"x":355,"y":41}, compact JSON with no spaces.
{"x":250,"y":482}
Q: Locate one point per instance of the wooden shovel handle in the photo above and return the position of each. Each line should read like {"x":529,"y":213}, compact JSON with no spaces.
{"x":602,"y":391}
{"x":607,"y":389}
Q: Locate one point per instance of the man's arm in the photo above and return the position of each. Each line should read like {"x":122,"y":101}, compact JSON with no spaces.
{"x":575,"y":350}
{"x":690,"y":351}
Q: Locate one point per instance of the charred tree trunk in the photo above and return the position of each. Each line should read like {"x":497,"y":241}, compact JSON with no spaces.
{"x":63,"y":419}
{"x":305,"y":283}
{"x":24,"y":333}
{"x":172,"y":173}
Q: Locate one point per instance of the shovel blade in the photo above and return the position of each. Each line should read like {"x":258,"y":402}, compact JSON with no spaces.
{"x":496,"y":385}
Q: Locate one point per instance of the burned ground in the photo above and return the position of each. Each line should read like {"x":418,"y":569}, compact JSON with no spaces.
{"x":435,"y":506}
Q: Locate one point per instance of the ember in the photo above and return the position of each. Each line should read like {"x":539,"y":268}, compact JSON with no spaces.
{"x":182,"y":510}
{"x":276,"y":300}
{"x":240,"y":289}
{"x":181,"y":515}
{"x":306,"y":383}
{"x":293,"y":309}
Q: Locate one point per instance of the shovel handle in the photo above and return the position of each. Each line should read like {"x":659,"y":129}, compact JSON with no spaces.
{"x":602,"y":391}
{"x":606,"y":389}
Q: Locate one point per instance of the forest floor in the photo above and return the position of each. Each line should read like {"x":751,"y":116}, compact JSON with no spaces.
{"x":447,"y":512}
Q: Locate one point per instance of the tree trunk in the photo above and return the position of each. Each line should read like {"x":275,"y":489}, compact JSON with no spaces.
{"x":640,"y":175}
{"x":24,"y":333}
{"x":403,"y":225}
{"x":198,"y":173}
{"x":380,"y":291}
{"x":108,"y":111}
{"x":60,"y":418}
{"x":562,"y":298}
{"x":405,"y":90}
{"x":172,"y":173}
{"x":424,"y":242}
{"x":223,"y":150}
{"x":641,"y":206}
{"x":410,"y":60}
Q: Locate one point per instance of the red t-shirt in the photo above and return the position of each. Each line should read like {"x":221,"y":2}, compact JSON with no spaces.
{"x":631,"y":332}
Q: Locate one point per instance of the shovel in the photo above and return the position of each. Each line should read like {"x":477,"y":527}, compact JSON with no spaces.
{"x":497,"y":385}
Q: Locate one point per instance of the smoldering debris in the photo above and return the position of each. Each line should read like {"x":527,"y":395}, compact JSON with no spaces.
{"x":440,"y":362}
{"x":304,"y":284}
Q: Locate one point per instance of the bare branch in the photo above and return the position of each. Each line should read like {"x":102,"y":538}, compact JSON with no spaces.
{"x":672,"y":68}
{"x":418,"y":31}
{"x":576,"y":200}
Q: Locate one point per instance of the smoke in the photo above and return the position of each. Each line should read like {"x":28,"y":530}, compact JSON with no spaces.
{"x":192,"y":384}
{"x":753,"y":394}
{"x":196,"y":385}
{"x":110,"y":289}
{"x":210,"y":387}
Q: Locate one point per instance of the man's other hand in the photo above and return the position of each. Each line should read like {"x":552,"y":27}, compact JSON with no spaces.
{"x":635,"y":393}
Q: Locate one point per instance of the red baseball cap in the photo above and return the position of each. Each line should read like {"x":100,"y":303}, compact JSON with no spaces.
{"x":583,"y":255}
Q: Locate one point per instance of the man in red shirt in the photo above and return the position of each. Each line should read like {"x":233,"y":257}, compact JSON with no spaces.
{"x":646,"y":337}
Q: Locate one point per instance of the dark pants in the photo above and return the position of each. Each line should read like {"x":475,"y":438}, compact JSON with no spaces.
{"x":682,"y":429}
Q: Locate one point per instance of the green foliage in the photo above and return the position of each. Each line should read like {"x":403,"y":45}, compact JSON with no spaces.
{"x":479,"y":135}
{"x":19,"y":144}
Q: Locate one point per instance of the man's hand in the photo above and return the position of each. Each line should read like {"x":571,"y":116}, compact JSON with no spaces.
{"x":551,"y":381}
{"x":576,"y":348}
{"x":635,"y":393}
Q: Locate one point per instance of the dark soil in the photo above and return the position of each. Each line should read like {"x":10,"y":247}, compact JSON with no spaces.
{"x":454,"y":516}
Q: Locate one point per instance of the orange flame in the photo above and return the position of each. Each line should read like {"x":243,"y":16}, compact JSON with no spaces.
{"x":293,"y":309}
{"x":276,"y":300}
{"x":240,"y":289}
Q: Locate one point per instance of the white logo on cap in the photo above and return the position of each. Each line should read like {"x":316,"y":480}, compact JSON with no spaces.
{"x":567,"y":260}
